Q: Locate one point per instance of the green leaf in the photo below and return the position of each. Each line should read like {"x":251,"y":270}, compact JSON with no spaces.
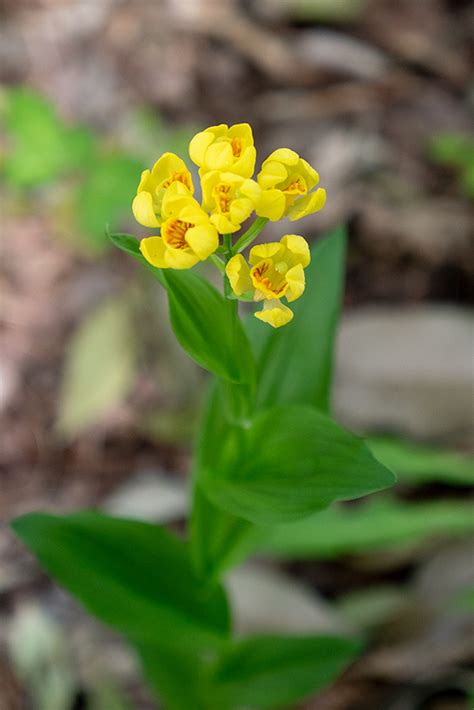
{"x":291,"y":461}
{"x":105,"y":195}
{"x":201,"y":320}
{"x":277,"y":671}
{"x":133,"y":576}
{"x":295,"y":362}
{"x":382,"y":523}
{"x":41,"y":146}
{"x":423,"y":464}
{"x":99,"y":368}
{"x":179,"y":678}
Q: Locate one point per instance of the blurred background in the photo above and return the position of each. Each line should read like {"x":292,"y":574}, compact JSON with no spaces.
{"x":97,"y":402}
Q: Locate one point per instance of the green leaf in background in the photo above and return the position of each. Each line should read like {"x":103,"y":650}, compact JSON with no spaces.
{"x":331,"y":11}
{"x":106,"y":696}
{"x":277,"y":671}
{"x":423,"y":464}
{"x":452,"y":149}
{"x":295,"y":363}
{"x":200,"y":320}
{"x":105,"y":196}
{"x":99,"y":368}
{"x":41,"y":146}
{"x":291,"y":461}
{"x":456,"y":150}
{"x":381,"y":523}
{"x":133,"y":576}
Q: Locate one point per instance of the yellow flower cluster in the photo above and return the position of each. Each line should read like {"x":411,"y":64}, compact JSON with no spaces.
{"x":189,"y":231}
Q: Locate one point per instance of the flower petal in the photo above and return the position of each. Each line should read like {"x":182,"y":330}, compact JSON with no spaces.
{"x":142,"y":208}
{"x":199,"y":145}
{"x":243,"y":131}
{"x":308,"y":172}
{"x":203,"y":240}
{"x":240,"y":209}
{"x":271,"y":174}
{"x":251,"y":189}
{"x":298,"y":248}
{"x":284,"y":155}
{"x":264,"y":251}
{"x":296,"y":282}
{"x":245,"y":165}
{"x":271,"y":204}
{"x":275,"y":314}
{"x":238,"y":273}
{"x":223,"y":224}
{"x":153,"y":249}
{"x":180,"y":258}
{"x":307,"y":205}
{"x":218,"y":156}
{"x":144,"y":181}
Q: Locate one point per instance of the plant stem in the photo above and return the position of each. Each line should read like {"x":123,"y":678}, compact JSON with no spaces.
{"x":252,"y":232}
{"x":227,"y":239}
{"x":217,"y":261}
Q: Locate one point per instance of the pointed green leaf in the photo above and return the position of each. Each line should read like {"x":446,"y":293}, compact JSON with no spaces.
{"x":201,"y":320}
{"x":133,"y":576}
{"x":290,"y":462}
{"x":278,"y":671}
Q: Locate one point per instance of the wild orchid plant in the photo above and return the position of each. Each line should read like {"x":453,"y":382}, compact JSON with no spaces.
{"x":268,"y":455}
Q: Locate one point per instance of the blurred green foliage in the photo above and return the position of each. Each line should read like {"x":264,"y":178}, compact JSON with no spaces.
{"x":97,"y":175}
{"x":326,"y":10}
{"x":417,"y":464}
{"x":382,"y":523}
{"x":456,"y":151}
{"x":41,"y":147}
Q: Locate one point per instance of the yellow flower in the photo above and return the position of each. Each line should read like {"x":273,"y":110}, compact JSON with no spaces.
{"x":286,"y":181}
{"x":147,"y":205}
{"x":276,"y":270}
{"x":187,"y":235}
{"x":229,"y":198}
{"x":226,"y":149}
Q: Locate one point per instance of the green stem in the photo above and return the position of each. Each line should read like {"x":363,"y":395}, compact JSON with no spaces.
{"x":252,"y":233}
{"x":239,"y":397}
{"x":227,"y":243}
{"x":217,"y":261}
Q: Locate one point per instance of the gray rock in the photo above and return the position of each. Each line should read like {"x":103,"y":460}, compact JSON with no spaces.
{"x":407,"y":371}
{"x":265,"y":600}
{"x":149,"y":496}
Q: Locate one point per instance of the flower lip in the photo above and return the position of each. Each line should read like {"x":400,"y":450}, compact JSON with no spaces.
{"x":174,"y":232}
{"x":223,"y":196}
{"x":296,"y":186}
{"x":178,"y":176}
{"x":236,"y":145}
{"x":267,"y":280}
